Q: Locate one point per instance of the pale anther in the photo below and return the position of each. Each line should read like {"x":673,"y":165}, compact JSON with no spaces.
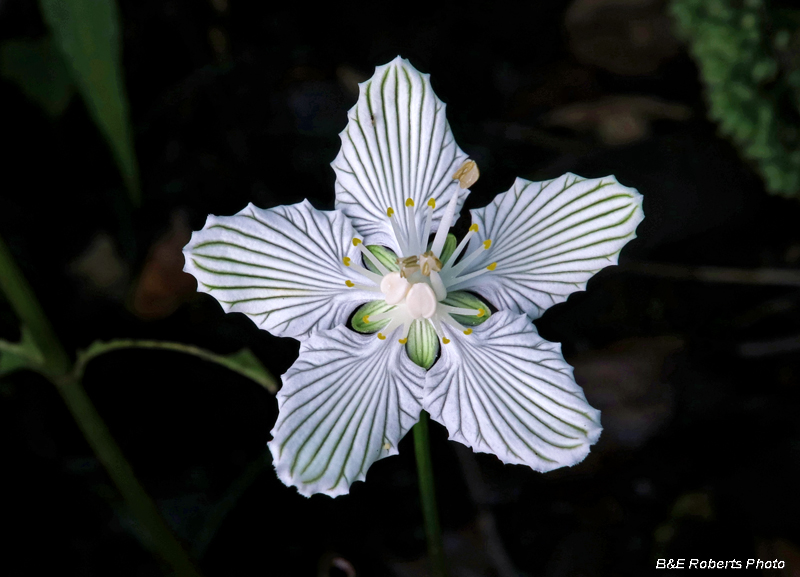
{"x":467,"y":175}
{"x":429,"y":262}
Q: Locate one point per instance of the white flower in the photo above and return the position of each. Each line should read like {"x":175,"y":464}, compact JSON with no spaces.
{"x":351,"y":396}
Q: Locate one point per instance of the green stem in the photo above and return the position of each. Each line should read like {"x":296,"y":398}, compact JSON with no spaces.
{"x":231,"y":362}
{"x":433,"y":531}
{"x":30,"y":313}
{"x":58,"y":369}
{"x":141,"y":505}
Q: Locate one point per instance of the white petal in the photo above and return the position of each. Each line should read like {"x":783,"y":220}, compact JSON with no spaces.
{"x":345,"y":403}
{"x":397,"y":145}
{"x":506,"y":391}
{"x":282,"y":267}
{"x":549,"y":238}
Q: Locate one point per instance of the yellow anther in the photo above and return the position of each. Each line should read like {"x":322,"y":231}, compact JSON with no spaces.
{"x":346,"y":261}
{"x":486,"y":244}
{"x":467,"y":175}
{"x":432,"y":203}
{"x":402,"y":341}
{"x":468,"y":332}
{"x":387,"y":446}
{"x":481,"y":312}
{"x":389,"y":212}
{"x":381,"y":336}
{"x":473,"y":228}
{"x":365,"y":319}
{"x":445,"y":340}
{"x":349,"y":283}
{"x":356,"y":241}
{"x":409,"y":202}
{"x":492,"y":266}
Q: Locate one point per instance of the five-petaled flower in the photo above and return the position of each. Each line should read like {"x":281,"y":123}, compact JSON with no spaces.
{"x":418,"y":339}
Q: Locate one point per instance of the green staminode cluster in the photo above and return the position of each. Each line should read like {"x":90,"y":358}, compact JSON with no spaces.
{"x":747,"y":51}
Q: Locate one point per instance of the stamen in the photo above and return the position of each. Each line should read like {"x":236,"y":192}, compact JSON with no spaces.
{"x":406,"y":328}
{"x":448,"y":320}
{"x":468,"y":174}
{"x":437,"y":326}
{"x":468,"y":332}
{"x":386,"y":331}
{"x":401,"y":240}
{"x":413,"y":235}
{"x":372,"y":258}
{"x":426,"y":230}
{"x":363,"y":287}
{"x":429,"y":263}
{"x":454,"y":272}
{"x":444,"y":225}
{"x":461,"y":311}
{"x":472,"y":230}
{"x":459,"y":279}
{"x":408,"y":265}
{"x":376,"y":278}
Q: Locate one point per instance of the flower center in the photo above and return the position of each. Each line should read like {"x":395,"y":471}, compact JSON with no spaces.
{"x":417,"y":290}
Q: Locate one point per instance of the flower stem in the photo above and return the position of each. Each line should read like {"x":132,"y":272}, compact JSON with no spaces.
{"x":433,"y":530}
{"x":58,"y":369}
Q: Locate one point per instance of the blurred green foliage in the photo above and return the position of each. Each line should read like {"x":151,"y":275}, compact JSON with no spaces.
{"x":84,"y":52}
{"x":37,"y":67}
{"x":748,"y":53}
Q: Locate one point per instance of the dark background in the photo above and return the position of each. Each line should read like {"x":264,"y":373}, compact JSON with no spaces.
{"x":237,"y":101}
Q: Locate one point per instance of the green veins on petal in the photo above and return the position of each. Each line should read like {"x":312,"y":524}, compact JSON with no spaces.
{"x":383,"y":254}
{"x":468,"y":301}
{"x":450,"y":244}
{"x":370,"y":308}
{"x":423,"y":344}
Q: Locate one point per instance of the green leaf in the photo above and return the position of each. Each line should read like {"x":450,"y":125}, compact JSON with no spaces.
{"x":371,"y":308}
{"x":87,"y":32}
{"x":243,"y":362}
{"x":468,"y":301}
{"x":387,"y":257}
{"x":423,"y":344}
{"x":37,"y":67}
{"x":22,"y":355}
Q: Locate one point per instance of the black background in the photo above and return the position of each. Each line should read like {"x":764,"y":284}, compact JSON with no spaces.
{"x":243,"y":101}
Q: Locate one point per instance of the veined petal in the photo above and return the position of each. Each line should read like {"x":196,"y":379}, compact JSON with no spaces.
{"x":345,"y":403}
{"x":504,"y":390}
{"x":397,"y":145}
{"x":549,"y":238}
{"x":282,"y":267}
